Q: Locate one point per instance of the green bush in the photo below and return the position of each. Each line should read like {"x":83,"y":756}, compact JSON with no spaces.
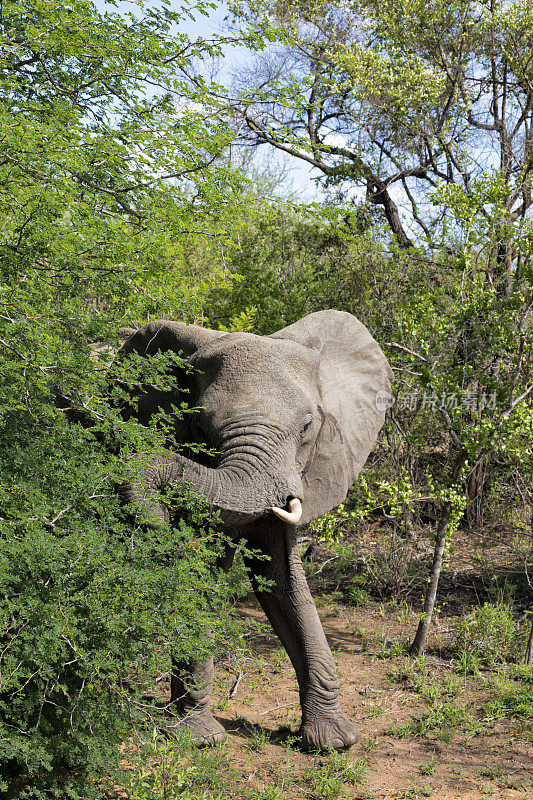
{"x":355,"y":592}
{"x":171,"y":769}
{"x":102,"y":226}
{"x":514,"y":697}
{"x":92,"y":608}
{"x":487,"y":635}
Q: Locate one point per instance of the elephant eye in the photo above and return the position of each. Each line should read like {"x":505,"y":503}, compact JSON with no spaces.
{"x":307,"y":424}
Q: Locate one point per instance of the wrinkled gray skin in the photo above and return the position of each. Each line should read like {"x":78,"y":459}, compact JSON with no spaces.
{"x":293,"y":415}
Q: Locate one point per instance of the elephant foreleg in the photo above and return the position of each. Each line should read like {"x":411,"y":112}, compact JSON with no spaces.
{"x":292,"y":613}
{"x":191,"y":684}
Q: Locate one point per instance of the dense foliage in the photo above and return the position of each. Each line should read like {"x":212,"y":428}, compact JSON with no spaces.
{"x":417,"y":118}
{"x":422,"y":115}
{"x":108,"y":180}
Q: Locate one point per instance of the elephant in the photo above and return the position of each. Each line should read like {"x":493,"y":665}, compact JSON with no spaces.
{"x":293,"y":417}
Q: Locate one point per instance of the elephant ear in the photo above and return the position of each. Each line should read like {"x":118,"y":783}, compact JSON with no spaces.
{"x":354,"y":384}
{"x":163,"y":335}
{"x":159,"y":337}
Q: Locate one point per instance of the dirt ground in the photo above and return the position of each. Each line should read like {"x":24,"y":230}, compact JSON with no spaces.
{"x":482,"y":759}
{"x":426,"y":730}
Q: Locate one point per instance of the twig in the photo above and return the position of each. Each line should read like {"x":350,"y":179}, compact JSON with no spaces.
{"x":324,"y":564}
{"x":407,"y":350}
{"x":233,"y":690}
{"x":283,"y":705}
{"x":52,"y":522}
{"x":519,"y":400}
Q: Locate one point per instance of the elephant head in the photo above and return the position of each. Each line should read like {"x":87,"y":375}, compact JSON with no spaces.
{"x":293,"y":416}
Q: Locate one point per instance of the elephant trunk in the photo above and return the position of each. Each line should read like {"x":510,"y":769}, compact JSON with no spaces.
{"x":242,"y":493}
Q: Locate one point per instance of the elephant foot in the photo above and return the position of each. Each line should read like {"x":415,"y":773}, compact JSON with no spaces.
{"x":202,"y":729}
{"x":335,"y":732}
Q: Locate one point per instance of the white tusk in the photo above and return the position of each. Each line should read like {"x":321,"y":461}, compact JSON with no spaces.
{"x":294,"y":515}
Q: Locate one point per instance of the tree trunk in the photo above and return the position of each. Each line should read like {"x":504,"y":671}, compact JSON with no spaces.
{"x":528,"y":658}
{"x":475,"y":509}
{"x":419,"y":642}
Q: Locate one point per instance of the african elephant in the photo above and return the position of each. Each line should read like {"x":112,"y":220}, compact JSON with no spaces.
{"x":293,"y":417}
